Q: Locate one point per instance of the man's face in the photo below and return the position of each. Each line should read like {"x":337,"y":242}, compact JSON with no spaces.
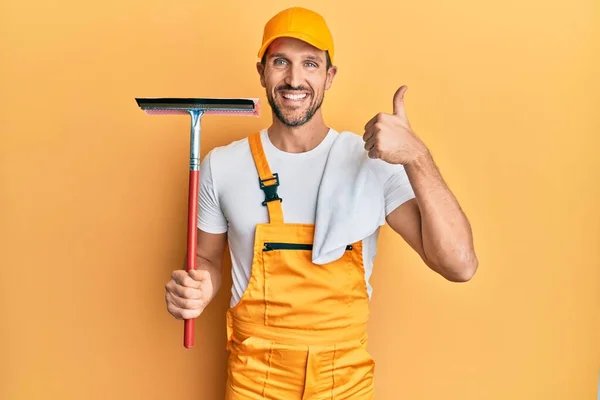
{"x":295,"y":77}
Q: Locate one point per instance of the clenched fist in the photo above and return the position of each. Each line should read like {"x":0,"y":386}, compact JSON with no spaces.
{"x":188,"y":293}
{"x":390,"y":138}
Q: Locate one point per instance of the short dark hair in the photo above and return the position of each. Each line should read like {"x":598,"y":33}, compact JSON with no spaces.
{"x":329,"y":65}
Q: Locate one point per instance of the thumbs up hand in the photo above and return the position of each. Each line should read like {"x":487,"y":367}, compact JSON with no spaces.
{"x":390,"y":138}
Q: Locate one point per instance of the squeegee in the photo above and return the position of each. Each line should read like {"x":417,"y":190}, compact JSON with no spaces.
{"x":196,"y":108}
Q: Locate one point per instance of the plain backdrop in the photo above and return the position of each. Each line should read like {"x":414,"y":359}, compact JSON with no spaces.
{"x":94,"y":192}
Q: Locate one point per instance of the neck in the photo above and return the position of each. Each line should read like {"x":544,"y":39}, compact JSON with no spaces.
{"x":298,"y":139}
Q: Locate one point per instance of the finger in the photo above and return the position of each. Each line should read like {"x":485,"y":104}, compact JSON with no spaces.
{"x":190,"y":314}
{"x":368,"y":135}
{"x":372,"y":132}
{"x":183,"y":303}
{"x":374,"y":153}
{"x":199,"y":275}
{"x":371,"y":143}
{"x":179,"y":313}
{"x":371,"y":122}
{"x":183,"y":291}
{"x":379,"y":117}
{"x":183,"y":278}
{"x":372,"y":148}
{"x":399,"y":102}
{"x":174,"y":310}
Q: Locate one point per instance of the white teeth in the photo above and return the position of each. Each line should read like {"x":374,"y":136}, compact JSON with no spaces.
{"x":295,"y":96}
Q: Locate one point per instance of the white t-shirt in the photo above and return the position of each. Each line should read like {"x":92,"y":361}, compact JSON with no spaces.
{"x":230,"y":199}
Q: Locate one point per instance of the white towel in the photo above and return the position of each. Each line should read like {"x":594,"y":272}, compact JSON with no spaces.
{"x":350,"y":202}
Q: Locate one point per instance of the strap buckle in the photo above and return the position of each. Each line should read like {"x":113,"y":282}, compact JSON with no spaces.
{"x":270,"y":190}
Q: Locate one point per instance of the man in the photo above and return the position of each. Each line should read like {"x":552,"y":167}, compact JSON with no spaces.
{"x":297,"y":329}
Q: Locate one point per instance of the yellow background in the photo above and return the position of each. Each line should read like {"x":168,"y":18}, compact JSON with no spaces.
{"x":93,"y":205}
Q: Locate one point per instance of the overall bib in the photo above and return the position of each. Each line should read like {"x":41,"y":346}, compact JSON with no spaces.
{"x":299,"y":332}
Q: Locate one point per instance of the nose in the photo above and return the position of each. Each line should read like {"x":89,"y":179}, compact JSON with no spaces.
{"x":294,"y":76}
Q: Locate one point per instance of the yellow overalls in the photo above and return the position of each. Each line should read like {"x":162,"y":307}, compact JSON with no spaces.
{"x":300,"y":329}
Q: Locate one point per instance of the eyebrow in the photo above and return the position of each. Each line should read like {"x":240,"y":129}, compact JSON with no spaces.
{"x":307,"y":56}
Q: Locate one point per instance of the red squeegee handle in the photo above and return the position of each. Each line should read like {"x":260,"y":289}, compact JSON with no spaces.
{"x":188,"y":329}
{"x":188,"y":333}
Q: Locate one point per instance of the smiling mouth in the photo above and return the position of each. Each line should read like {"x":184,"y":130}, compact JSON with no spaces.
{"x":294,"y":96}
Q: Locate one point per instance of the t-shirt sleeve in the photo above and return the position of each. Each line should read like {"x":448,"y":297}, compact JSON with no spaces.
{"x":397,"y":188}
{"x":210,"y":215}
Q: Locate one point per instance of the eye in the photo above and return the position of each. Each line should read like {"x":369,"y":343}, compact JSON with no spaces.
{"x":279,"y":61}
{"x":311,"y":64}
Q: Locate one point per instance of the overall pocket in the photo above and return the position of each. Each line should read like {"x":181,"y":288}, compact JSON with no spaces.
{"x":354,"y":372}
{"x":303,"y":295}
{"x":248,"y":367}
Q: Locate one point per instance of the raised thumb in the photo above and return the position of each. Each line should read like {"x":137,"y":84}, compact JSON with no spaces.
{"x":399,"y":101}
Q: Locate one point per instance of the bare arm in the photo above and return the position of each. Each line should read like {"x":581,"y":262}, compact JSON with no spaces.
{"x":434,"y":224}
{"x":210,"y":250}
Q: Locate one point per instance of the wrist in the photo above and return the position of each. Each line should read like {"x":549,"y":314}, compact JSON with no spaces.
{"x":422,"y":159}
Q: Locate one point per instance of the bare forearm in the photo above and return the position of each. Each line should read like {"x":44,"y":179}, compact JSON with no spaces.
{"x":216,"y":272}
{"x":446,"y":232}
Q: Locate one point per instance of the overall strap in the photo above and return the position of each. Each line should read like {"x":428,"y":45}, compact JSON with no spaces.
{"x":268,"y":181}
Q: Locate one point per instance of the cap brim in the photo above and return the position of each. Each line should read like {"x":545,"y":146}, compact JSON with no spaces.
{"x":300,"y":36}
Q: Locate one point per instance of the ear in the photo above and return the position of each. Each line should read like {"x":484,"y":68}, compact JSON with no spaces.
{"x":261,"y":72}
{"x":330,"y":75}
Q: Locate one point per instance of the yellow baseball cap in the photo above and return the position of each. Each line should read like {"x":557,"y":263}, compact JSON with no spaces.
{"x":299,"y":23}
